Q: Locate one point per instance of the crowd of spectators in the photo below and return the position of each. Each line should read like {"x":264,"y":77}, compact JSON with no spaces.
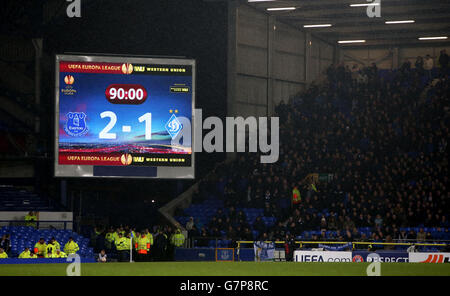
{"x":383,"y":137}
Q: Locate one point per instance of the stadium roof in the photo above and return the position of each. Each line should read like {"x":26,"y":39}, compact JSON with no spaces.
{"x":431,"y":19}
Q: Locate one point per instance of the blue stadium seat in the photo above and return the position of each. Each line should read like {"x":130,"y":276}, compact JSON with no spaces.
{"x":22,"y":236}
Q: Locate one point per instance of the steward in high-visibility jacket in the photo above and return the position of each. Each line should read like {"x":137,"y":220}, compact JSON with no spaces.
{"x":115,"y":235}
{"x":71,"y":247}
{"x":3,"y":254}
{"x":40,"y":248}
{"x":122,"y":243}
{"x":51,"y":248}
{"x":142,"y":245}
{"x":55,"y":243}
{"x":49,"y":254}
{"x":296,"y":197}
{"x":30,"y":218}
{"x":128,"y":240}
{"x":135,"y":238}
{"x":59,"y":254}
{"x":26,"y":254}
{"x":177,"y":239}
{"x":150,"y":237}
{"x":96,"y":233}
{"x":109,"y":238}
{"x":122,"y":246}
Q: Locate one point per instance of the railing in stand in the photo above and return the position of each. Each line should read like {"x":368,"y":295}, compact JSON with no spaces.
{"x":41,"y":224}
{"x":302,"y":243}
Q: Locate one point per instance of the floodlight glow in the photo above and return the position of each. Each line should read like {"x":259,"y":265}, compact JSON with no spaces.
{"x":433,"y":38}
{"x":317,"y":26}
{"x":280,"y":8}
{"x":364,"y":4}
{"x":399,"y":22}
{"x":351,"y":41}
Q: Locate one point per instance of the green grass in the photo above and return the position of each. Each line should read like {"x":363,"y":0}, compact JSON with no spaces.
{"x":227,"y":269}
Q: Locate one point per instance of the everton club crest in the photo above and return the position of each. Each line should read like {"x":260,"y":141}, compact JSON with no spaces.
{"x":76,"y":124}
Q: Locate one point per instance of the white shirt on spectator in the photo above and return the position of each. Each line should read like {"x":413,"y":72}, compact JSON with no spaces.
{"x":102,"y":258}
{"x":428,"y":63}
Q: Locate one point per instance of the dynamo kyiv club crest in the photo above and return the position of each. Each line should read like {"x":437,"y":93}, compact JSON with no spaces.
{"x":173,"y":126}
{"x":76,"y":124}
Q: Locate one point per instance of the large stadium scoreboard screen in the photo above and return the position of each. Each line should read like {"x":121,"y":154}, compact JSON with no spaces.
{"x":119,"y":117}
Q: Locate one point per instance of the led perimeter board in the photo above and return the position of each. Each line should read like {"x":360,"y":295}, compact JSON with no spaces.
{"x":124,"y":117}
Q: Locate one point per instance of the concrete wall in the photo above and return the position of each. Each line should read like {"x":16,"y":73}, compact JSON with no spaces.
{"x":322,"y":55}
{"x":411,"y":53}
{"x":390,"y":58}
{"x":16,"y":169}
{"x":289,"y":71}
{"x":251,"y":62}
{"x":268,"y":61}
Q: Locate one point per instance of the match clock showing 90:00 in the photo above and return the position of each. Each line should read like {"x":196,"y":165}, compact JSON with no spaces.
{"x":134,"y":94}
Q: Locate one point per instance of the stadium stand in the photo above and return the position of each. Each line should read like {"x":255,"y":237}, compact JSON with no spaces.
{"x":380,"y":137}
{"x":27,"y":236}
{"x":13,"y":136}
{"x":14,"y":199}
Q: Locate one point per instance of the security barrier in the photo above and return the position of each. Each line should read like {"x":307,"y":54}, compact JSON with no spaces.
{"x":40,"y":224}
{"x":348,"y":252}
{"x":43,"y":260}
{"x":380,"y":256}
{"x":322,"y":256}
{"x":341,"y":252}
{"x":353,"y":244}
{"x":429,"y":257}
{"x":194,"y":254}
{"x":209,"y":254}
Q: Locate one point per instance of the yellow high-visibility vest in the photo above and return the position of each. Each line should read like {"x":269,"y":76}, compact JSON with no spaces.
{"x":142,"y":243}
{"x":71,"y":247}
{"x":29,"y":219}
{"x":60,"y":255}
{"x":150,"y":237}
{"x":25,"y":254}
{"x":40,"y":248}
{"x":50,"y":248}
{"x":122,"y":243}
{"x":178,"y":239}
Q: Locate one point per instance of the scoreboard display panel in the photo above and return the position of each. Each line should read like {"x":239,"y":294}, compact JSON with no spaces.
{"x":124,"y":117}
